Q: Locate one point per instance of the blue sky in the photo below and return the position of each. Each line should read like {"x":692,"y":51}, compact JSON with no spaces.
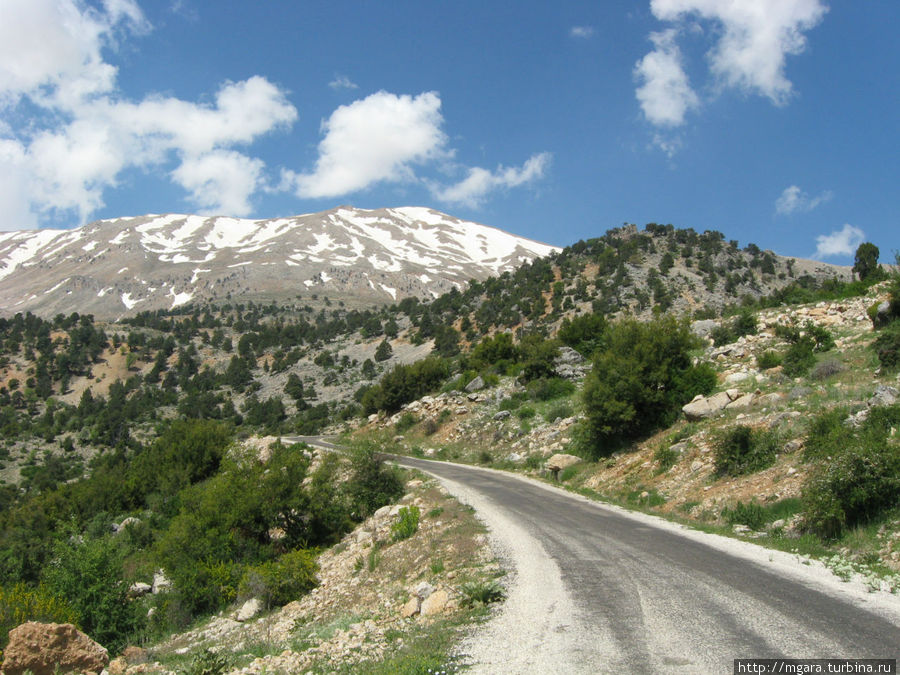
{"x":772,"y":121}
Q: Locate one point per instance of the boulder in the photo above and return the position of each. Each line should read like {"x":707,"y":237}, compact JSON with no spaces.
{"x":161,"y":583}
{"x":120,"y":528}
{"x":411,"y":608}
{"x":502,"y":415}
{"x":434,"y":603}
{"x":139,"y":588}
{"x":249,"y":609}
{"x":884,"y":395}
{"x":742,"y":402}
{"x":561,"y":461}
{"x":475,"y":385}
{"x":48,"y":648}
{"x":702,"y":407}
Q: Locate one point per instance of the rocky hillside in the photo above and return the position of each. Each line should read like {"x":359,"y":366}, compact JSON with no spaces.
{"x":113,"y":268}
{"x":679,"y":470}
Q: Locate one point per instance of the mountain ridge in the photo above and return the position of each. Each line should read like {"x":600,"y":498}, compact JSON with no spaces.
{"x":117,"y":267}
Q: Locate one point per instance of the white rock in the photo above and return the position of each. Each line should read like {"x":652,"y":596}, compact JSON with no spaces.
{"x":249,"y":609}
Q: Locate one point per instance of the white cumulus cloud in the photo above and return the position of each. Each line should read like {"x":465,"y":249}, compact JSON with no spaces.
{"x":221,"y":182}
{"x":85,"y":133}
{"x":752,"y":40}
{"x":479,"y":183}
{"x":372,"y":140}
{"x":795,"y":200}
{"x":840,"y":242}
{"x":665,"y":93}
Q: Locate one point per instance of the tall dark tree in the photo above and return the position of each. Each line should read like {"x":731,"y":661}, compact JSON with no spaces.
{"x":865,"y":265}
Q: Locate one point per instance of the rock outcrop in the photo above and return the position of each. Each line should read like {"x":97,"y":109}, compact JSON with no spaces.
{"x":48,"y":648}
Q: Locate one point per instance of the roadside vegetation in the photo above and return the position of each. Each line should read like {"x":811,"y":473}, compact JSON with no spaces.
{"x":143,"y":424}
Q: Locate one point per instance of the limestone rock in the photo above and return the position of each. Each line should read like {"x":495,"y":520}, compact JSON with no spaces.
{"x":139,"y":588}
{"x":884,"y":395}
{"x":434,"y":603}
{"x":423,"y":590}
{"x":249,"y":609}
{"x":46,"y":648}
{"x":475,"y":385}
{"x":161,"y":583}
{"x":502,"y":415}
{"x":703,"y":327}
{"x":702,"y":407}
{"x":561,"y":461}
{"x":411,"y":608}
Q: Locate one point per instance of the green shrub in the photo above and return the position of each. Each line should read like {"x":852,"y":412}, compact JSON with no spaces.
{"x":479,"y":593}
{"x":19,"y":604}
{"x":549,"y":388}
{"x":640,"y":380}
{"x":800,"y":357}
{"x":568,"y":473}
{"x":821,"y":336}
{"x":826,"y":434}
{"x":88,"y":574}
{"x":283,"y":580}
{"x":858,"y":485}
{"x":722,"y":335}
{"x":768,"y":359}
{"x":372,"y":484}
{"x":887,"y":346}
{"x":513,"y":402}
{"x":665,"y":458}
{"x":750,"y":514}
{"x":559,"y":411}
{"x":742,"y":449}
{"x":526,"y":412}
{"x":407,"y":523}
{"x":208,"y":663}
{"x":407,"y":421}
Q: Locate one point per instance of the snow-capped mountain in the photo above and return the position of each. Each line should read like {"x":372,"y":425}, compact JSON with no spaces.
{"x":113,"y":268}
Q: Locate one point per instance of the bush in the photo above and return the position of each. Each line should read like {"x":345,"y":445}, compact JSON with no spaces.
{"x":281,"y":581}
{"x":826,"y":434}
{"x":887,"y":346}
{"x":857,"y":486}
{"x":372,"y":484}
{"x":407,"y":523}
{"x":549,"y":388}
{"x":750,"y":514}
{"x":477,"y":594}
{"x":742,"y":449}
{"x":88,"y":574}
{"x":407,"y":421}
{"x":526,"y":412}
{"x":640,"y":380}
{"x":768,"y":359}
{"x":559,"y":411}
{"x":800,"y":357}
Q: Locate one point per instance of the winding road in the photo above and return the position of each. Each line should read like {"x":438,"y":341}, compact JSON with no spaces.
{"x":597,"y":589}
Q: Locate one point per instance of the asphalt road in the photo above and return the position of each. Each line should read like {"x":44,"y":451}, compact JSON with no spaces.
{"x":598,"y":590}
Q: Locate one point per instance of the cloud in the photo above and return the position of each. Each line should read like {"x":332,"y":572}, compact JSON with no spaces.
{"x":665,"y":94}
{"x":342,"y":82}
{"x":752,"y":42}
{"x":221,"y":182}
{"x":755,"y":38}
{"x":794,"y":200}
{"x":373,"y":140}
{"x":842,"y":242}
{"x":81,"y":133}
{"x":583,"y":32}
{"x":474,"y":188}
